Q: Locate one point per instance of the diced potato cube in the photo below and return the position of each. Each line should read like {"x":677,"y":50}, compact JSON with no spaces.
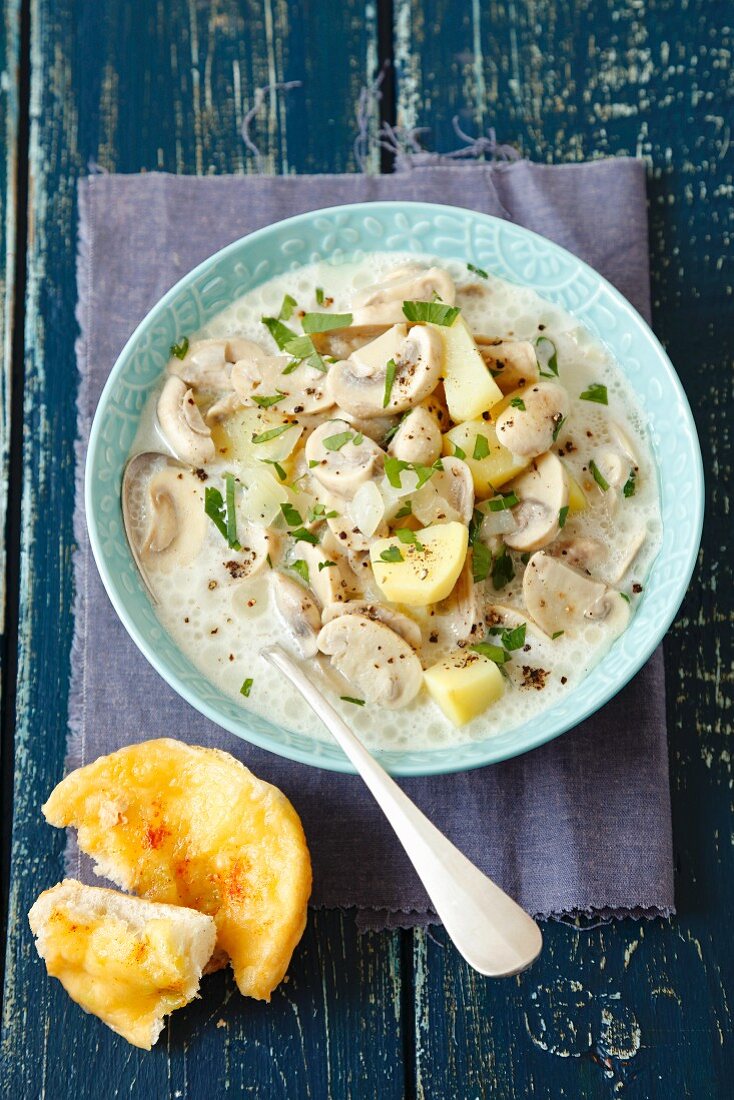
{"x":493,"y":470}
{"x":470,"y":388}
{"x":576,"y":497}
{"x":464,"y":685}
{"x":422,"y":574}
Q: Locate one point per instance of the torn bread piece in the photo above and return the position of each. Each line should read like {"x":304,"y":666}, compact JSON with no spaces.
{"x":192,"y":826}
{"x":128,"y":961}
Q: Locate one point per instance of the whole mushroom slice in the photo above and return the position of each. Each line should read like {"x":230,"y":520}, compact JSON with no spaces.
{"x":513,"y":363}
{"x":261,"y":381}
{"x":257,"y":544}
{"x":376,"y":661}
{"x":418,"y":438}
{"x":382,"y":303}
{"x":530,"y":428}
{"x":560,"y":599}
{"x":342,"y":342}
{"x":208,"y":363}
{"x":542,"y":492}
{"x":379,"y":612}
{"x":360,"y":385}
{"x":163,"y":514}
{"x":342,"y":459}
{"x":299,"y":613}
{"x":182,"y":424}
{"x":329,"y":577}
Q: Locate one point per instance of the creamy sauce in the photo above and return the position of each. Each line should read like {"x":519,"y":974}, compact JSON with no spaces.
{"x":221,"y":622}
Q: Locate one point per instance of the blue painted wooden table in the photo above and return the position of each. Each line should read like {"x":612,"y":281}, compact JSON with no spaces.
{"x":132,"y":85}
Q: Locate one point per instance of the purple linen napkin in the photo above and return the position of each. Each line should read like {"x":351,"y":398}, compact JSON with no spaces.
{"x":580,"y":826}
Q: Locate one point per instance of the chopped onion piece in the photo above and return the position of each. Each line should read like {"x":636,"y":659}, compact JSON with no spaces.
{"x":430,"y":507}
{"x":498,"y":523}
{"x":367,"y":508}
{"x":284,"y":445}
{"x":261,"y":497}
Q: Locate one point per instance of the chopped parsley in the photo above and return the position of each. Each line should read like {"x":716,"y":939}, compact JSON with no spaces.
{"x":287,"y":307}
{"x":302,"y":535}
{"x":392,"y":432}
{"x":502,"y":570}
{"x":514,"y":639}
{"x":392,"y":554}
{"x":481,"y":562}
{"x":312,"y":462}
{"x":475,"y":525}
{"x":547,"y":356}
{"x":268,"y":402}
{"x":625,"y":596}
{"x":300,"y":567}
{"x":280,"y":332}
{"x":563,"y":516}
{"x":406,"y":510}
{"x":326,"y":565}
{"x":557,"y":635}
{"x":459,"y":452}
{"x":596,"y":392}
{"x":319,"y":512}
{"x":395,"y":466}
{"x":303,"y":348}
{"x":390,"y":372}
{"x":325,"y":322}
{"x":435,"y":313}
{"x":349,"y":699}
{"x":277,"y":467}
{"x":291,"y":515}
{"x":518,"y":403}
{"x":273,"y":433}
{"x":478,"y":271}
{"x":481,"y":448}
{"x":294,"y":363}
{"x":231,"y":513}
{"x":629,"y":485}
{"x":598,"y":476}
{"x":336,"y":442}
{"x":408,"y":537}
{"x":557,"y":429}
{"x":180,"y":350}
{"x":493,"y":652}
{"x":502,"y":502}
{"x":319,"y":295}
{"x":247,"y":687}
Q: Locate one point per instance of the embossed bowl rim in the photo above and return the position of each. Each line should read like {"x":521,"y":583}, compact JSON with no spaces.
{"x":655,"y":611}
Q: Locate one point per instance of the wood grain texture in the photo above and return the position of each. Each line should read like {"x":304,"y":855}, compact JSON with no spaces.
{"x":628,"y":1009}
{"x":136,"y":86}
{"x":9,"y":83}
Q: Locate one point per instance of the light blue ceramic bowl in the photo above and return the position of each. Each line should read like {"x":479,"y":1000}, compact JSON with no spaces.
{"x":339,"y":233}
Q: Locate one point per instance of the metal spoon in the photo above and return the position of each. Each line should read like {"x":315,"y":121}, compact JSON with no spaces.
{"x":489,"y":929}
{"x":130,"y":474}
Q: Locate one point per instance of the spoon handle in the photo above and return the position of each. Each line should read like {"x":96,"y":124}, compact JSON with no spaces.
{"x":489,"y":929}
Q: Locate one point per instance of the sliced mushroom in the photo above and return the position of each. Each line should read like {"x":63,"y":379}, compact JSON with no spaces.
{"x":360,"y":385}
{"x":559,"y":598}
{"x":543,"y":492}
{"x":298,"y":612}
{"x":329,"y":577}
{"x":455,"y":619}
{"x":383,"y":302}
{"x":257,"y":544}
{"x":376,"y":661}
{"x":513,"y":363}
{"x":401,"y":624}
{"x":530,"y":429}
{"x":622,"y":557}
{"x":342,"y":459}
{"x":579,"y":552}
{"x":343,"y":342}
{"x":208,"y":363}
{"x":163,"y":513}
{"x":613,"y":466}
{"x":624,"y":443}
{"x":376,"y":427}
{"x":182,"y":425}
{"x":261,"y":381}
{"x":447,"y":496}
{"x":418,"y":439}
{"x":225,"y":407}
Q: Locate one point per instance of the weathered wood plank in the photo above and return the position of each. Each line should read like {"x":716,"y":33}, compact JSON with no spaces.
{"x":9,"y":82}
{"x":565,"y":81}
{"x":132,"y":87}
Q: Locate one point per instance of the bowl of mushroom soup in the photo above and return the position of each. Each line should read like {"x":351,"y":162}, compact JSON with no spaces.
{"x":435,"y":455}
